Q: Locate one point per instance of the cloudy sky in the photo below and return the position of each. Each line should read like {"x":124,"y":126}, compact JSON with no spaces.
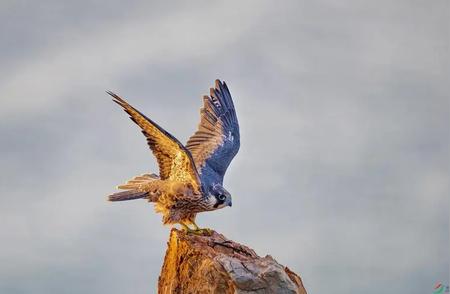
{"x":343,"y":172}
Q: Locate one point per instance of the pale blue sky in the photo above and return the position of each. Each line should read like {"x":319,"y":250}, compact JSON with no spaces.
{"x":343,"y":172}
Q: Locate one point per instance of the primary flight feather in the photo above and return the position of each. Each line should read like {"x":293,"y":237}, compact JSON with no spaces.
{"x":190,"y":177}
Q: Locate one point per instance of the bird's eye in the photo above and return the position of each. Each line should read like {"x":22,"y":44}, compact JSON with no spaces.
{"x":222,"y":197}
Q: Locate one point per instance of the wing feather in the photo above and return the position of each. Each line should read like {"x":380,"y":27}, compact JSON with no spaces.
{"x":174,"y":160}
{"x":217,"y":139}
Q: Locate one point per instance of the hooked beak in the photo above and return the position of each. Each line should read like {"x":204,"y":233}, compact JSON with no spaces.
{"x":229,"y":203}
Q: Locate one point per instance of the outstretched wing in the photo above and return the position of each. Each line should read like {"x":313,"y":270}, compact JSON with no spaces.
{"x":174,"y":160}
{"x":217,"y":140}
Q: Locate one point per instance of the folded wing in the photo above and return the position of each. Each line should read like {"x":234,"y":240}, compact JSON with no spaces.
{"x":217,"y":139}
{"x":174,"y":160}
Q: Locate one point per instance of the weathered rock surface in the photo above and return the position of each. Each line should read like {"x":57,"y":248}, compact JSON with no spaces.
{"x":214,"y":264}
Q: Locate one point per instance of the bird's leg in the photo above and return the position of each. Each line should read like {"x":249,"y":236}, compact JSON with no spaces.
{"x":197,"y":230}
{"x":186,"y":228}
{"x":201,"y":231}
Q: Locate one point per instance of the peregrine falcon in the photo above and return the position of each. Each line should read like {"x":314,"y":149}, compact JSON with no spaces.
{"x":190,"y":176}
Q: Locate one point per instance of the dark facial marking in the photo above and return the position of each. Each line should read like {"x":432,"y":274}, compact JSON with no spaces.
{"x":219,"y":201}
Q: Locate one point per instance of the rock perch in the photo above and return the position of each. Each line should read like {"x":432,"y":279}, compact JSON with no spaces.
{"x":214,"y":264}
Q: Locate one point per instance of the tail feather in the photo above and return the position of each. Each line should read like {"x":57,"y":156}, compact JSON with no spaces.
{"x":137,"y":182}
{"x":127,"y":195}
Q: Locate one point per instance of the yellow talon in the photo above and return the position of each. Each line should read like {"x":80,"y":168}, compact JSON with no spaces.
{"x":200,"y":231}
{"x":197,"y":230}
{"x":195,"y":226}
{"x":186,"y":228}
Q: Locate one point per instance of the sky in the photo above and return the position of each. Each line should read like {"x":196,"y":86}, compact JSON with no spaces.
{"x":343,"y":171}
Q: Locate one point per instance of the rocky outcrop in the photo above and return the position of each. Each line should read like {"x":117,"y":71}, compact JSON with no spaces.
{"x":214,"y":264}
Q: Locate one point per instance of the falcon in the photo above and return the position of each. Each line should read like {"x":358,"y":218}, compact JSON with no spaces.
{"x":190,"y":176}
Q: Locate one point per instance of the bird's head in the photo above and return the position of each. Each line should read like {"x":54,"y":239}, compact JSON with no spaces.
{"x":219,"y":197}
